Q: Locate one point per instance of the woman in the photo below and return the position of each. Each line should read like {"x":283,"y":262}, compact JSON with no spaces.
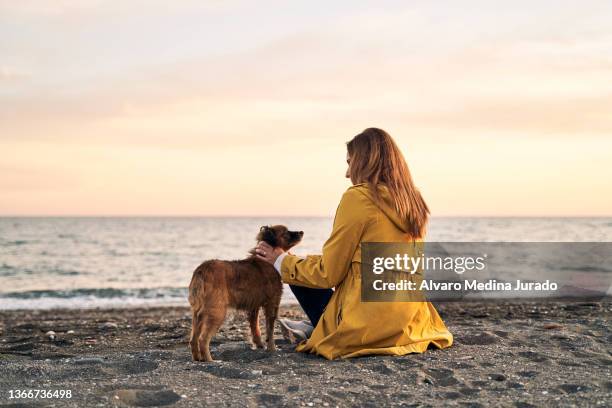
{"x":382,"y":206}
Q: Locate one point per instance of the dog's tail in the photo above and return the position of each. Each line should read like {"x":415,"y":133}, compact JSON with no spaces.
{"x":198,"y":282}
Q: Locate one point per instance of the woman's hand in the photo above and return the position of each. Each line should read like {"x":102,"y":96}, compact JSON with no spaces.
{"x":266,"y":252}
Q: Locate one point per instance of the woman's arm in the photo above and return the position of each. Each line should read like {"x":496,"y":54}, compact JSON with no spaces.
{"x":330,"y":268}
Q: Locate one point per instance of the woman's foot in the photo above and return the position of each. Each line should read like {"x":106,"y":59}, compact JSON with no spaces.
{"x":295,"y":331}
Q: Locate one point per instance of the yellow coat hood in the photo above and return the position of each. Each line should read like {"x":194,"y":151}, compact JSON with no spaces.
{"x":384,"y":204}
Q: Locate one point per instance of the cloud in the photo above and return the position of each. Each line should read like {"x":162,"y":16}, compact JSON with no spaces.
{"x":28,"y":176}
{"x":9,"y":74}
{"x":99,"y":8}
{"x":547,"y":118}
{"x":150,"y":106}
{"x":421,"y":65}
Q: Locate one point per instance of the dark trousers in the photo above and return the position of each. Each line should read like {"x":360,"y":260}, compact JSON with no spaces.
{"x":313,"y":301}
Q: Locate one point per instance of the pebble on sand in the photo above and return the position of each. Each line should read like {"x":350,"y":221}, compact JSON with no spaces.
{"x":147,"y":398}
{"x":108,"y":326}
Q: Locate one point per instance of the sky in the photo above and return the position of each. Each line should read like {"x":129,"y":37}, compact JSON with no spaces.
{"x":243,"y":108}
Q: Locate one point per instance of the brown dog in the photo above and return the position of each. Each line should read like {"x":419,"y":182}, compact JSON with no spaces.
{"x":248,"y":284}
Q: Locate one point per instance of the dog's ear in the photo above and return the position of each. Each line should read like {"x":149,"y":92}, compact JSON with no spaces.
{"x":262,"y":232}
{"x":267,"y":235}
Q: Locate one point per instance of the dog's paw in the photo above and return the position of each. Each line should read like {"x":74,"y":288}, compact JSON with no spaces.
{"x":207,"y":361}
{"x":256,"y":343}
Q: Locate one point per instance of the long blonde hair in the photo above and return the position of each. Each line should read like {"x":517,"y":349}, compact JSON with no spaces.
{"x":375,"y":159}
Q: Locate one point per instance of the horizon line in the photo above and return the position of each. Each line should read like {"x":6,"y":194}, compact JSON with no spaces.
{"x":277,"y":215}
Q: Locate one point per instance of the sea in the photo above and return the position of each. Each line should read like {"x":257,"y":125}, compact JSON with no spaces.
{"x":104,"y":262}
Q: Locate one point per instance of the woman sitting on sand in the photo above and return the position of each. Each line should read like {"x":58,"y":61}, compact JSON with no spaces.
{"x":383,"y":205}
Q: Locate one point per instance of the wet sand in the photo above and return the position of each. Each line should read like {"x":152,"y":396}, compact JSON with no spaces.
{"x":517,"y":354}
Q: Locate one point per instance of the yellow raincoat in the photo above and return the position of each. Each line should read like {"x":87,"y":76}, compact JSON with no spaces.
{"x":349,"y":327}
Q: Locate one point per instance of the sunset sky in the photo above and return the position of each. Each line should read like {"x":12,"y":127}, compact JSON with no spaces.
{"x":243,"y":108}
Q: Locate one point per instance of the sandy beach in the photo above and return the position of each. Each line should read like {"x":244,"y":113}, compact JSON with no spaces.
{"x":506,"y":354}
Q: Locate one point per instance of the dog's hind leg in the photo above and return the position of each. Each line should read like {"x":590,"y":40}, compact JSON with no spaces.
{"x":212,"y":323}
{"x":196,"y":328}
{"x":271,"y":311}
{"x":255,"y":331}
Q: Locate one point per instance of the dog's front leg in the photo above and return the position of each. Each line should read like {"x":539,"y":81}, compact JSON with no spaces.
{"x":271,"y":313}
{"x":255,"y":331}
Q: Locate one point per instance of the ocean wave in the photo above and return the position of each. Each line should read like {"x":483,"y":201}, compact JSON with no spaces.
{"x":585,"y":268}
{"x":101,"y":293}
{"x":66,"y":272}
{"x":86,"y":303}
{"x":103,"y":298}
{"x":7,"y":270}
{"x":17,"y":242}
